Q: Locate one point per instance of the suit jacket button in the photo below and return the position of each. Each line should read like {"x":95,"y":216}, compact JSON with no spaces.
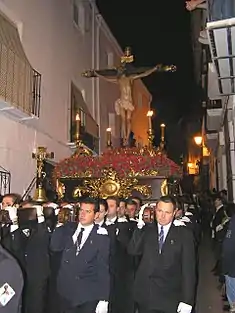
{"x":66,"y":261}
{"x":77,"y":277}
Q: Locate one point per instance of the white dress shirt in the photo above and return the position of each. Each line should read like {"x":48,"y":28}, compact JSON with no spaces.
{"x":85,"y":235}
{"x":165,"y":229}
{"x":110,"y":221}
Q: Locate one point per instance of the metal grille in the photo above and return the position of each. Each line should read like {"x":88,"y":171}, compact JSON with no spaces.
{"x":5,"y":181}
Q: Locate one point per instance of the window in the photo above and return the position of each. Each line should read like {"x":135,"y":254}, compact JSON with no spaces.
{"x":76,"y":108}
{"x":110,"y":59}
{"x":89,"y":130}
{"x":88,"y":18}
{"x":79,"y":14}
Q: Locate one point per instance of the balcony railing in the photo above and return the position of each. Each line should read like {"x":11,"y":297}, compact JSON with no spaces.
{"x":20,"y":85}
{"x":5,"y":181}
{"x":214,"y":104}
{"x":36,"y":99}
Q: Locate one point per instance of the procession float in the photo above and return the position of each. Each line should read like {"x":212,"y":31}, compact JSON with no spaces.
{"x":122,"y":171}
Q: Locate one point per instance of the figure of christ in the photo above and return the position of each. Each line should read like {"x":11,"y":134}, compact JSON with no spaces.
{"x":124,"y":105}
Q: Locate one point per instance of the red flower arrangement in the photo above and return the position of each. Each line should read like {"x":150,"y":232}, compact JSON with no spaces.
{"x":124,"y":161}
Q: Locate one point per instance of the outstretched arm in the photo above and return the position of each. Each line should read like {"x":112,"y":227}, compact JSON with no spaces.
{"x":157,"y":68}
{"x":94,"y":73}
{"x":107,"y":79}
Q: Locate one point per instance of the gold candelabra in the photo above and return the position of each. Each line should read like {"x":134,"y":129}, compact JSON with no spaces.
{"x":150,"y":130}
{"x":40,"y":156}
{"x":150,"y":138}
{"x":109,"y":137}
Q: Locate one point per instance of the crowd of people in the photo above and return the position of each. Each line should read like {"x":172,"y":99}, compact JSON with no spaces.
{"x":113,"y":255}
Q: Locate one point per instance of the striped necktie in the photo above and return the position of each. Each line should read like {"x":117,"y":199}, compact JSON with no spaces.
{"x":161,"y":239}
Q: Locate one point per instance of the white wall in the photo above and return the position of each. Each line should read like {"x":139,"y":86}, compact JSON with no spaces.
{"x":60,"y":52}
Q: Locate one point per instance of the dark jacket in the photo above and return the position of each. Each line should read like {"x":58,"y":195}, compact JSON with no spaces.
{"x":85,"y":277}
{"x":32,"y":254}
{"x":228,"y":254}
{"x":163,"y":280}
{"x":12,"y":275}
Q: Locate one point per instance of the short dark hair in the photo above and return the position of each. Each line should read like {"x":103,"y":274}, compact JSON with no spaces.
{"x":131,"y":202}
{"x":16,"y":198}
{"x":114,"y":199}
{"x":168,"y":199}
{"x":91,"y":201}
{"x":139,"y":199}
{"x":104,"y":203}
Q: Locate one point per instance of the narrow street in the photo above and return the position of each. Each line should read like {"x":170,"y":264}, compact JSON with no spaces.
{"x":209,"y":296}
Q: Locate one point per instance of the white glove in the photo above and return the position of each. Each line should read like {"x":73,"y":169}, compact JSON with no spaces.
{"x":178,"y":223}
{"x":57,"y":211}
{"x":184,"y":308}
{"x":12,"y":213}
{"x":13,"y":228}
{"x":102,"y":307}
{"x":40,"y":215}
{"x":141,"y":223}
{"x":219,"y":228}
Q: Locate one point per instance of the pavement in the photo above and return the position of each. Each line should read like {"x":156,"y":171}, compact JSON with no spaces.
{"x":208,"y":295}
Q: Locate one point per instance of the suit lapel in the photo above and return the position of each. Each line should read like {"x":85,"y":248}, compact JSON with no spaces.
{"x":154,"y":237}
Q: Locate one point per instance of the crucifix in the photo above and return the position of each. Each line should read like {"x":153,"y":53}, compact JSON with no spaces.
{"x":124,"y":75}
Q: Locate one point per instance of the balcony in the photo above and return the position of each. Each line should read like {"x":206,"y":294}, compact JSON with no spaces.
{"x":212,"y":140}
{"x":20,"y":84}
{"x":5,"y":181}
{"x":214,"y":116}
{"x":221,"y":36}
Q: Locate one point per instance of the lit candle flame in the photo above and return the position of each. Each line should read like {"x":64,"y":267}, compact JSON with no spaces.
{"x":150,"y":113}
{"x":77,"y":117}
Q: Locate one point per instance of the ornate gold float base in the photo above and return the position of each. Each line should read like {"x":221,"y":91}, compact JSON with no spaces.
{"x":109,"y":184}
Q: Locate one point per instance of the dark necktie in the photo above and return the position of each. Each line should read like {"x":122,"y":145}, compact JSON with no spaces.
{"x":161,"y":239}
{"x":79,"y":240}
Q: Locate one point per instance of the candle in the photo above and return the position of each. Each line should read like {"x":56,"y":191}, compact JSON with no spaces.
{"x":109,"y":137}
{"x":77,"y":119}
{"x":163,"y":132}
{"x":149,"y":115}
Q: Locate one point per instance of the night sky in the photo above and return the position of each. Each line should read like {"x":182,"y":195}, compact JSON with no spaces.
{"x":159,"y":32}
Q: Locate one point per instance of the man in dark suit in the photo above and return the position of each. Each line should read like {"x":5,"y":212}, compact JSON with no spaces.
{"x":29,"y":244}
{"x":165,"y":280}
{"x":11,"y":283}
{"x":83,"y":281}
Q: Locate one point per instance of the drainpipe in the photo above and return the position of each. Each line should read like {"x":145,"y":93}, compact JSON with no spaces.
{"x":232,"y":156}
{"x":98,"y":19}
{"x":93,"y":58}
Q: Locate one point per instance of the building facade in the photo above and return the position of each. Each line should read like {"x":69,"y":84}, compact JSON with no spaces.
{"x":45,"y":46}
{"x":215,"y":67}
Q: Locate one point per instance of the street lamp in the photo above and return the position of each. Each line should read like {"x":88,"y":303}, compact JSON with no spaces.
{"x":198,"y":140}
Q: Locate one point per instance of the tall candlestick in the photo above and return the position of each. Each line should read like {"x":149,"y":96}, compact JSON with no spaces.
{"x":163,"y":132}
{"x":77,"y":133}
{"x":149,"y":115}
{"x":109,"y":137}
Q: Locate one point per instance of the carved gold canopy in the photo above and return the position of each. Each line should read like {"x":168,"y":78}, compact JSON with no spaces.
{"x":110,"y":184}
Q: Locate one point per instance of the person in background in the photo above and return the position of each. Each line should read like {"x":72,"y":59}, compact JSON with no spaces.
{"x":11,"y":283}
{"x":228,"y":264}
{"x":165,"y":279}
{"x":83,"y":281}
